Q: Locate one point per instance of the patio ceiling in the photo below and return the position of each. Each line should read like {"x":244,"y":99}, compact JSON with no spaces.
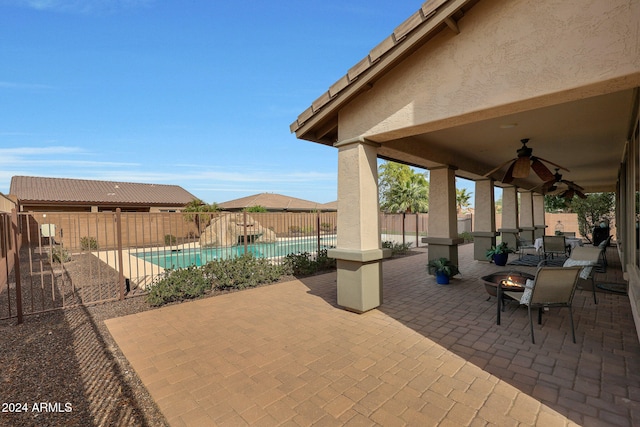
{"x":587,"y":136}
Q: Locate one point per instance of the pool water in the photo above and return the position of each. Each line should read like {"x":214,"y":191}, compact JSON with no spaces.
{"x":198,"y":257}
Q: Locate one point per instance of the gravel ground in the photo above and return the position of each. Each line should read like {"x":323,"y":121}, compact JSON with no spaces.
{"x":63,"y":368}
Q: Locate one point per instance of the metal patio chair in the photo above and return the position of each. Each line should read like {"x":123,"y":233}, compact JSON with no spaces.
{"x":552,"y":287}
{"x":523,"y":246}
{"x":554,"y":245}
{"x":588,"y":258}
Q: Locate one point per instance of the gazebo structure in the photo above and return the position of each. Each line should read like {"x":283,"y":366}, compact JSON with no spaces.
{"x":455,"y":89}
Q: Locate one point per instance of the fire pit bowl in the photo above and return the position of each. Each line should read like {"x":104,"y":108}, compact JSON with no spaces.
{"x":511,"y":280}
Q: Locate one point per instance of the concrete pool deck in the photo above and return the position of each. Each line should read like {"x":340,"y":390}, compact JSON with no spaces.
{"x":285,"y":354}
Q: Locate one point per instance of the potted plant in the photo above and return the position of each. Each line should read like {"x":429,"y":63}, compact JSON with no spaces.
{"x":443,"y":269}
{"x":499,"y":253}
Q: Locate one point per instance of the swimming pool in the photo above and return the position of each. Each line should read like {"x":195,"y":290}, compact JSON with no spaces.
{"x":195,"y":256}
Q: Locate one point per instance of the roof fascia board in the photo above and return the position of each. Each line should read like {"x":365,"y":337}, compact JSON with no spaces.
{"x":350,"y":88}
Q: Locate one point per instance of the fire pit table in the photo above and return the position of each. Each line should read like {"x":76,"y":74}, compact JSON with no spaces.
{"x":513,"y":281}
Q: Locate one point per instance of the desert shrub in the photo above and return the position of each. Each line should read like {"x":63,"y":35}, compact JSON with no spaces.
{"x":170,"y":239}
{"x":397,"y":248}
{"x":468,"y":237}
{"x":304,"y":264}
{"x":256,"y":208}
{"x":325,"y":226}
{"x":88,"y":243}
{"x":178,"y":285}
{"x":245,"y":271}
{"x":299,"y":264}
{"x":60,"y":255}
{"x":324,"y":261}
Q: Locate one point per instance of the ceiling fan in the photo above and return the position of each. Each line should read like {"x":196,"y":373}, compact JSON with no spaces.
{"x":572,"y":188}
{"x":521,"y":166}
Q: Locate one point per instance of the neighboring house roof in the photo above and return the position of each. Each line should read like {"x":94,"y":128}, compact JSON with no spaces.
{"x":331,"y":206}
{"x":272,"y":202}
{"x":29,"y":189}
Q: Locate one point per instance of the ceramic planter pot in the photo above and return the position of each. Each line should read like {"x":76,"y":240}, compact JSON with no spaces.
{"x":442,"y":279}
{"x":501,"y":259}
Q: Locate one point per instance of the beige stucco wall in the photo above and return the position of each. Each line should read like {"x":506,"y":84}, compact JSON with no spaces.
{"x":505,"y":59}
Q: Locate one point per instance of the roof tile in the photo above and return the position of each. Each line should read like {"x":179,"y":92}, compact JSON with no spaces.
{"x":322,"y":100}
{"x":429,"y":7}
{"x":272,"y":201}
{"x":386,"y":45}
{"x":305,"y":115}
{"x":359,"y":68}
{"x":51,"y":190}
{"x":407,"y":26}
{"x":339,"y":85}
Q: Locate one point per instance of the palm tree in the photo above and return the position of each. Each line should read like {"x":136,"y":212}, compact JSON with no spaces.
{"x":462,"y":199}
{"x":409,"y":196}
{"x":402,"y":189}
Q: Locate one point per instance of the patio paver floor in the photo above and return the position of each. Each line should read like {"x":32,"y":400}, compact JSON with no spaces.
{"x":285,"y":354}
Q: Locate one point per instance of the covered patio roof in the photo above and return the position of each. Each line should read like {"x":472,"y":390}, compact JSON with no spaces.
{"x":466,"y":102}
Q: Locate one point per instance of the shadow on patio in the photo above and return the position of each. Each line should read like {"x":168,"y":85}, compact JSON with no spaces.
{"x":431,"y":355}
{"x":593,"y":382}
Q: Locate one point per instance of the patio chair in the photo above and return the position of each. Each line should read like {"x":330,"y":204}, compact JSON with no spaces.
{"x":552,"y":287}
{"x":588,"y":258}
{"x":602,"y":247}
{"x":523,"y":246}
{"x":554,"y":245}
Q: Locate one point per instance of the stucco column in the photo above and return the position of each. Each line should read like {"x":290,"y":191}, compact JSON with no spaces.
{"x":527,"y":225}
{"x":358,"y":251}
{"x":538,"y":215}
{"x":484,"y":234}
{"x":510,"y":226}
{"x":443,"y":237}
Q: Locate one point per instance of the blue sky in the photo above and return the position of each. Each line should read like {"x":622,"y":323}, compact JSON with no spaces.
{"x":196,"y":93}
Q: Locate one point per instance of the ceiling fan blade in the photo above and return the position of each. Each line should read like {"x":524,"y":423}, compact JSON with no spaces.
{"x":546,"y":186}
{"x":522,"y":167}
{"x":568,"y":194}
{"x":573,"y":185}
{"x":508,"y":177}
{"x":581,"y":194}
{"x":492,"y":171}
{"x":541,"y":170}
{"x":554,"y":164}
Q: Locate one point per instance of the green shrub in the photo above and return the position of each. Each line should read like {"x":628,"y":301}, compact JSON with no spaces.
{"x":324,"y":261}
{"x":299,"y":264}
{"x":60,"y":255}
{"x":303,"y":264}
{"x":178,"y":285}
{"x":256,"y":208}
{"x":325,"y":226}
{"x":468,"y":237}
{"x":88,"y":243}
{"x":170,"y":239}
{"x":397,"y":248}
{"x":245,"y":271}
